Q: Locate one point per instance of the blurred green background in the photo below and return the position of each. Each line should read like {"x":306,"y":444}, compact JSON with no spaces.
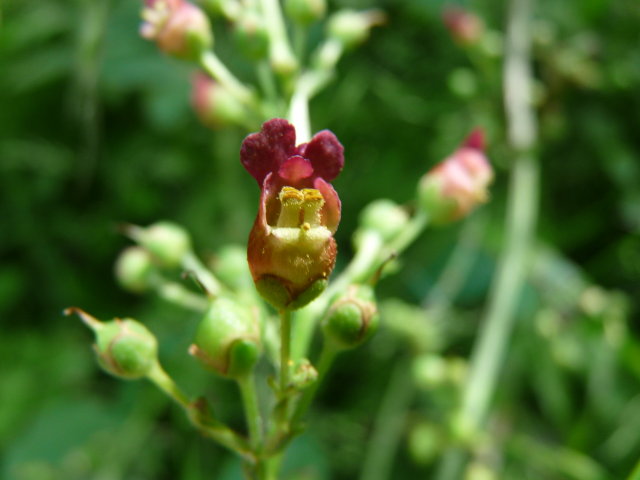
{"x":96,"y":129}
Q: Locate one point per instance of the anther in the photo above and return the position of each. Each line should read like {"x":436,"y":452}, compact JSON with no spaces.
{"x":291,"y":201}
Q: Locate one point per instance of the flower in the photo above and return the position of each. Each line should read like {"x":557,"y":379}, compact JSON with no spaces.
{"x":454,"y":187}
{"x":178,"y":27}
{"x":291,"y":249}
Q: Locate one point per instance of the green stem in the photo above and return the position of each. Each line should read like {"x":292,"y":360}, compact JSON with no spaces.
{"x":206,"y":424}
{"x":280,"y":52}
{"x":251,"y":410}
{"x":285,"y":350}
{"x":214,"y":67}
{"x":389,"y":425}
{"x":635,"y":474}
{"x":191,"y":263}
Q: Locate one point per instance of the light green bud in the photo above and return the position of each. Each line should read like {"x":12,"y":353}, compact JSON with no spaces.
{"x":385,"y":217}
{"x":230,"y":266}
{"x":305,"y":11}
{"x":166,"y":241}
{"x":425,"y":443}
{"x":430,"y":371}
{"x":351,"y":28}
{"x":134,"y":269}
{"x":124,"y":347}
{"x":227,"y":340}
{"x":251,"y":34}
{"x":352,"y":318}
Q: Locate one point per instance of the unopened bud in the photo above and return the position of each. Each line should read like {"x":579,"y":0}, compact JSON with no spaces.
{"x":230,"y":266}
{"x":385,"y":217}
{"x":215,"y":106}
{"x":453,"y":188}
{"x":352,"y":28}
{"x":305,"y":11}
{"x":124,"y":347}
{"x":353,"y":318}
{"x":167,"y":242}
{"x":425,"y":443}
{"x":430,"y":371}
{"x":227,"y":340}
{"x":465,"y":27}
{"x":135,"y":270}
{"x":251,"y":34}
{"x":179,"y":28}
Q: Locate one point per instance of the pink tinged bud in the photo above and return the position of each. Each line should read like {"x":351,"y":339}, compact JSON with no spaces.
{"x":178,"y":27}
{"x":452,"y":189}
{"x":214,"y":105}
{"x":465,"y":27}
{"x":291,"y":250}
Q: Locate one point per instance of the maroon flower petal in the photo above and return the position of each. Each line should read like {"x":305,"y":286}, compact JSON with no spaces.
{"x":326,"y":154}
{"x":331,"y":209}
{"x":265,"y":151}
{"x":295,"y":169}
{"x":475,"y":140}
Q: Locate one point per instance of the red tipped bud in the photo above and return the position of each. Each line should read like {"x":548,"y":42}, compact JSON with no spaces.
{"x":453,"y":188}
{"x":214,"y":105}
{"x":178,"y":27}
{"x":465,"y":27}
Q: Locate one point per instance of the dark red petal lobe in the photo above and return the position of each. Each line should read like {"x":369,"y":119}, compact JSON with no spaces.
{"x":265,"y":151}
{"x":326,"y":155}
{"x":295,"y":169}
{"x":331,"y":209}
{"x":475,"y":140}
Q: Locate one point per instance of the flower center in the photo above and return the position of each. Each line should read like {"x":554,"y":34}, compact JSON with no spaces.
{"x":300,"y":218}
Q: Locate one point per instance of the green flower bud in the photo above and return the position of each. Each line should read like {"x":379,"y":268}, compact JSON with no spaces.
{"x":166,"y":241}
{"x":124,"y":347}
{"x":230,"y":266}
{"x":227,"y":340}
{"x":430,"y":371}
{"x":352,"y":28}
{"x":135,"y":270}
{"x":425,"y":443}
{"x":352,"y":319}
{"x":215,"y":106}
{"x":251,"y":34}
{"x":385,"y":217}
{"x":305,"y":11}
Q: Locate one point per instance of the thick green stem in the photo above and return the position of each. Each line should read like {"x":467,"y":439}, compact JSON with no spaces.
{"x":491,"y":346}
{"x":285,"y":349}
{"x":251,"y":410}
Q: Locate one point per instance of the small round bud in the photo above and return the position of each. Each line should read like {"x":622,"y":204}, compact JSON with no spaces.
{"x":352,"y":28}
{"x":430,"y":371}
{"x":465,"y":27}
{"x":166,"y":241}
{"x":305,"y":11}
{"x":134,"y":269}
{"x":230,"y":266}
{"x":479,"y":471}
{"x":227,"y":340}
{"x":215,"y":106}
{"x":251,"y":34}
{"x":352,"y":319}
{"x":425,"y":443}
{"x":385,"y":217}
{"x":124,"y":347}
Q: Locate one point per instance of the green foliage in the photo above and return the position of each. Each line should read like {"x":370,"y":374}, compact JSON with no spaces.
{"x":96,"y":129}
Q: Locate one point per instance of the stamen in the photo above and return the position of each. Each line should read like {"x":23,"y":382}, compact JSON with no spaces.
{"x":291,"y":201}
{"x":313,"y":203}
